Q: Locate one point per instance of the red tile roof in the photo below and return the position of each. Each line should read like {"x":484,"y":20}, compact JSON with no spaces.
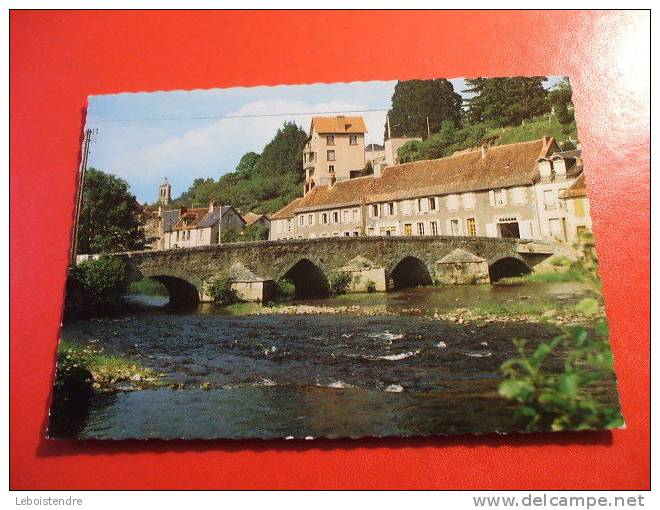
{"x":193,"y":217}
{"x":287,"y":211}
{"x":338,"y":124}
{"x":577,"y":189}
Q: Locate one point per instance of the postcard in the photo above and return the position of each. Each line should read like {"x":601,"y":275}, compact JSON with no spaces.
{"x":346,"y":260}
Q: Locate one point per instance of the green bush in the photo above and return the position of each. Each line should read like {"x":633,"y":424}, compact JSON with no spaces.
{"x":285,"y":288}
{"x":560,"y":261}
{"x":340,"y":282}
{"x":96,"y":286}
{"x":562,"y":400}
{"x":565,"y":399}
{"x":221,"y":291}
{"x":148,"y":287}
{"x":371,"y":287}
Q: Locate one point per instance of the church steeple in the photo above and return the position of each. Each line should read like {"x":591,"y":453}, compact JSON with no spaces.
{"x":165,"y":193}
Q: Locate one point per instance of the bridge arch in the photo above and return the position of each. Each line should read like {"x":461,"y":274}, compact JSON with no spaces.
{"x":182,"y":293}
{"x":410,"y":272}
{"x":506,"y":267}
{"x":308,"y":278}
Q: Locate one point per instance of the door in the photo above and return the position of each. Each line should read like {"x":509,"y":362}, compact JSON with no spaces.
{"x":509,"y":230}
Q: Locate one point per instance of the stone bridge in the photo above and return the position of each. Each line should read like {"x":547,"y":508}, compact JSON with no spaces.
{"x":373,"y":263}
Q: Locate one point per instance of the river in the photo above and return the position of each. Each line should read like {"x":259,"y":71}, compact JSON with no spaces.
{"x":388,"y":369}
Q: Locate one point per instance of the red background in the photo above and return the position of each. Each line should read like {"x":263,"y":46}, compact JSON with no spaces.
{"x":58,"y":58}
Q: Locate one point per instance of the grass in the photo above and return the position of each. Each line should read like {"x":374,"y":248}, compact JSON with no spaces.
{"x":533,"y":130}
{"x":572,"y":275}
{"x":106,"y":369}
{"x":147,"y":286}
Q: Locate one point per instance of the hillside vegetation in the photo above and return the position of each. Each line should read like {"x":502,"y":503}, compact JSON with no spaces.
{"x":502,"y":111}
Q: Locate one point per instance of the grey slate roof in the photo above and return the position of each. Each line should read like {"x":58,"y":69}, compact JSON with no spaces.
{"x":169,"y":219}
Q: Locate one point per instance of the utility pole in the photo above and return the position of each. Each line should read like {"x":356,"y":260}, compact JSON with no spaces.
{"x":87,"y":141}
{"x":389,"y":132}
{"x":428,"y":127}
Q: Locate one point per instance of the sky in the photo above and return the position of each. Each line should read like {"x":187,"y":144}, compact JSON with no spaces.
{"x":183,"y":135}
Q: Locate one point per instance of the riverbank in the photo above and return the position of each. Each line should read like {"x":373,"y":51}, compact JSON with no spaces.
{"x":106,"y":372}
{"x":522,"y":308}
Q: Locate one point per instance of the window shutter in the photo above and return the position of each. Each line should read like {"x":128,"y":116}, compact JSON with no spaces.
{"x":491,"y":229}
{"x":504,"y":194}
{"x":448,"y":224}
{"x":461,"y":230}
{"x":491,"y":197}
{"x":526,"y":231}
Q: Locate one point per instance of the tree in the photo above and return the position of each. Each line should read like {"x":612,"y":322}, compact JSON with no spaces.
{"x":109,"y":217}
{"x":506,"y":101}
{"x":415,"y":100}
{"x":560,"y":97}
{"x":262,"y":182}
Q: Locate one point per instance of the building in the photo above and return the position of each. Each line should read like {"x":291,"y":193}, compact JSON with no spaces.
{"x":186,"y":228}
{"x":254,"y":218}
{"x":334,"y":149}
{"x":498,"y":191}
{"x":577,"y":209}
{"x":556,"y":173}
{"x":164,"y":193}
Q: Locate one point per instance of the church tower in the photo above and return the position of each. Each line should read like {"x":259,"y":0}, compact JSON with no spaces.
{"x":165,"y":193}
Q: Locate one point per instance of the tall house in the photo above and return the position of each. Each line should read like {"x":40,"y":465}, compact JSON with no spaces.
{"x":164,"y":193}
{"x":334,"y":150}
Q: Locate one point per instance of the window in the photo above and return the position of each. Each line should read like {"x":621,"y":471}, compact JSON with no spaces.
{"x":331,"y":157}
{"x":347,"y":234}
{"x":407,"y":207}
{"x":407,"y":229}
{"x":346,"y":217}
{"x":375,"y":211}
{"x":468,"y":200}
{"x":453,"y":202}
{"x":301,"y":220}
{"x":335,"y":234}
{"x":453,"y":224}
{"x":331,"y":168}
{"x":434,"y":228}
{"x":352,"y":139}
{"x":356,"y":215}
{"x":330,"y":139}
{"x":356,"y":234}
{"x":324,"y":218}
{"x":433,"y":205}
{"x":390,"y":209}
{"x":423,"y":205}
{"x":471,"y":226}
{"x":550,"y":199}
{"x":335,"y":217}
{"x":579,"y":207}
{"x":420,"y":229}
{"x":310,"y":219}
{"x":500,"y":197}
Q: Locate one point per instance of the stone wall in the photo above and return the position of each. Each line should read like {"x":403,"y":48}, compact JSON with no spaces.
{"x":272,"y":260}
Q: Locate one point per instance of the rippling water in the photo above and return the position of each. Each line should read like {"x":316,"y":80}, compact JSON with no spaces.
{"x":335,"y":375}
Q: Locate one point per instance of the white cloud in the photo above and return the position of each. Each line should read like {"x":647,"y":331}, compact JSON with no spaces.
{"x":215,"y":148}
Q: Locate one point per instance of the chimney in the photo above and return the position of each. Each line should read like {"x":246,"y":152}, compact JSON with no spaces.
{"x":483,"y":152}
{"x":212,"y":205}
{"x":546,"y":140}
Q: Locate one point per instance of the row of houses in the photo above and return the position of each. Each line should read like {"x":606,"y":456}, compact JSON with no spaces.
{"x":529,"y":190}
{"x":189,"y":227}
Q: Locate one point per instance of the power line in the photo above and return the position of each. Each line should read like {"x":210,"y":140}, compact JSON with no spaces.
{"x":214,"y":117}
